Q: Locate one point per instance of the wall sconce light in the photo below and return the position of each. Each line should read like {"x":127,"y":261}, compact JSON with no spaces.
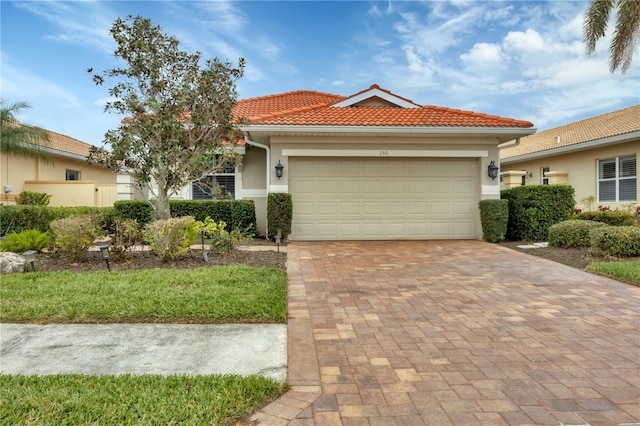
{"x":279,"y":169}
{"x":104,"y":250}
{"x":493,"y":170}
{"x":30,"y":258}
{"x":7,"y":190}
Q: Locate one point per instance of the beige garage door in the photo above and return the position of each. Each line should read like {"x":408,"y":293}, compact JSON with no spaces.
{"x":383,"y":198}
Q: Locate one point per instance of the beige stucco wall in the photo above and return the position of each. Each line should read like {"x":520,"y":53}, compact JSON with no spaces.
{"x":581,"y":168}
{"x":17,"y":171}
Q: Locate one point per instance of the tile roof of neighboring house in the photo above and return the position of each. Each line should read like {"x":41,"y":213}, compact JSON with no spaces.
{"x":309,"y":108}
{"x":608,"y":125}
{"x":67,"y":144}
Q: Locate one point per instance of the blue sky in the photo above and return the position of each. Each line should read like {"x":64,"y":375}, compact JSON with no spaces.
{"x":519,"y":59}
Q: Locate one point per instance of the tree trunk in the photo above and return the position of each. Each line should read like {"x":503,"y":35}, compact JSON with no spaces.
{"x":163,"y":210}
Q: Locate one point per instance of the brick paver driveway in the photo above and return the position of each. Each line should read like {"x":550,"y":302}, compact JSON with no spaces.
{"x":455,"y":332}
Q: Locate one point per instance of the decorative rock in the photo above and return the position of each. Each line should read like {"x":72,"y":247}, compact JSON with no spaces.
{"x":11,"y":262}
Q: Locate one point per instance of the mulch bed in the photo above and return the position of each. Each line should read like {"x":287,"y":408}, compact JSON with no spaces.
{"x":50,"y":262}
{"x":576,"y":257}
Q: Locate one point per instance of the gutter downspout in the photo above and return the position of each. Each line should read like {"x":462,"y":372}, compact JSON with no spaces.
{"x":247,"y":138}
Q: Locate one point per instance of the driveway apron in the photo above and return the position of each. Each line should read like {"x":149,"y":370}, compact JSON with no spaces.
{"x":454,"y":332}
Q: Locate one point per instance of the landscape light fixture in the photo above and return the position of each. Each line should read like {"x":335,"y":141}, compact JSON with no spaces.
{"x":104,"y":250}
{"x":278,"y":238}
{"x":279,"y":169}
{"x":30,"y":258}
{"x":493,"y":170}
{"x":205,"y":255}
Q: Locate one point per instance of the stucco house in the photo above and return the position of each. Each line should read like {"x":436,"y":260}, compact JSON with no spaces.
{"x":369,"y":166}
{"x":597,"y":156}
{"x":69,"y":178}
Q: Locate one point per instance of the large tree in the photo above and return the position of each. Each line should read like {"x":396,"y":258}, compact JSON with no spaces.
{"x":626,"y":34}
{"x":177,"y":111}
{"x":20,"y":138}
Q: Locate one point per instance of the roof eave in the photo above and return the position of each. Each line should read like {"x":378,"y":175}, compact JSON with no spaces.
{"x":502,"y":133}
{"x":627,"y":137}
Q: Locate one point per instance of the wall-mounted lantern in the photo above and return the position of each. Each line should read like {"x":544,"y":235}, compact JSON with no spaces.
{"x":279,"y":169}
{"x":493,"y":170}
{"x":104,"y":250}
{"x":7,"y":191}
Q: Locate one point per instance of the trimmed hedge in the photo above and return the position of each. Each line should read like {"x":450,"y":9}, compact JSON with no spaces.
{"x":572,"y":233}
{"x":610,"y":217}
{"x":619,"y":241}
{"x":494,"y":216}
{"x":20,"y":218}
{"x":534,"y":208}
{"x":279,"y":213}
{"x":237,"y":214}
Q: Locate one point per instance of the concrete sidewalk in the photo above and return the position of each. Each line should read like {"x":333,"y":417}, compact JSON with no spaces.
{"x":165,"y":349}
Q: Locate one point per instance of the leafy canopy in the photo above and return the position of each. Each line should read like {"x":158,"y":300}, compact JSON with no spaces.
{"x":20,"y":138}
{"x":178,"y":121}
{"x":626,"y":35}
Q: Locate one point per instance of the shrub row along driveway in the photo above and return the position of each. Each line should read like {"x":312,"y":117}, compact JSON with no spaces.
{"x":455,"y":332}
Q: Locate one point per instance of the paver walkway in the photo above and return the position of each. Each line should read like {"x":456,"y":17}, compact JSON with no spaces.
{"x":454,"y":332}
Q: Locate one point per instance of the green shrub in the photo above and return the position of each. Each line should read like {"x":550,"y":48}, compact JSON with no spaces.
{"x":127,"y":233}
{"x":494,"y":216}
{"x":572,"y":233}
{"x":22,"y":218}
{"x":279,"y":213}
{"x":74,"y":236}
{"x":141,"y":211}
{"x":619,"y":241}
{"x":534,"y":208}
{"x":29,"y":198}
{"x":222,"y":241}
{"x":31,"y":239}
{"x":240,"y":214}
{"x":243,"y":216}
{"x":610,"y":217}
{"x":171,"y":237}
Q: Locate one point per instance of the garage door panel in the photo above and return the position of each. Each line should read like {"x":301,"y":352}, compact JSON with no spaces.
{"x":388,"y":198}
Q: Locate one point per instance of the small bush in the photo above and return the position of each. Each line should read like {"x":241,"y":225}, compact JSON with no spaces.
{"x":74,"y":236}
{"x":171,"y":237}
{"x":572,"y":233}
{"x":31,"y":239}
{"x":222,"y":241}
{"x":279,"y":213}
{"x":29,"y":198}
{"x":610,"y":217}
{"x":141,"y":211}
{"x":619,"y":241}
{"x":494,"y":216}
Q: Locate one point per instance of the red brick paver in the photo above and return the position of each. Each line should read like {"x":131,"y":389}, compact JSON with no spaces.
{"x":454,"y":332}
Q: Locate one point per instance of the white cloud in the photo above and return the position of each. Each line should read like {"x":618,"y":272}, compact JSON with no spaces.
{"x":80,"y":23}
{"x":483,"y":53}
{"x":523,"y":43}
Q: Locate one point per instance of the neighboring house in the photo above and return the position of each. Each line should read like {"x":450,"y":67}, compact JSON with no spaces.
{"x":69,"y":178}
{"x":373,"y":165}
{"x":597,"y":156}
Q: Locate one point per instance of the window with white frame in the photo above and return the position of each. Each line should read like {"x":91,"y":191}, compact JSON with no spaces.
{"x":218,"y":186}
{"x":544,"y":179}
{"x":617,"y":179}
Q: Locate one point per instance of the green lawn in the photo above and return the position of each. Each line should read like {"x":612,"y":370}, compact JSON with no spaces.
{"x":626,"y":271}
{"x":223,"y":294}
{"x":132,"y":400}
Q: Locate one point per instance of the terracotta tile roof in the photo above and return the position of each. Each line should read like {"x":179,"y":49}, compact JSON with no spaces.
{"x":309,"y":108}
{"x":67,"y":144}
{"x":615,"y":123}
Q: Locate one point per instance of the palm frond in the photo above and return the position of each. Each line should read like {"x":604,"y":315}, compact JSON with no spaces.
{"x":626,"y":36}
